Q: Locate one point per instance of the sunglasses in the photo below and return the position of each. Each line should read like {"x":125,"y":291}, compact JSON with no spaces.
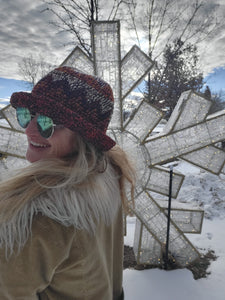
{"x":45,"y":124}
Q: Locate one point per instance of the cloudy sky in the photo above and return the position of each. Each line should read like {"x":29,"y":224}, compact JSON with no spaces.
{"x":25,"y":29}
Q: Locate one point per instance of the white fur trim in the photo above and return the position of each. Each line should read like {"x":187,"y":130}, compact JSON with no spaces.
{"x":81,"y":208}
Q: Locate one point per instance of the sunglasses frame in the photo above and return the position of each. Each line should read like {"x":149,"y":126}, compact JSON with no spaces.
{"x":32,"y":116}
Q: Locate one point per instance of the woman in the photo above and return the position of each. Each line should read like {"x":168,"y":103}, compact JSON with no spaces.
{"x":61,"y":225}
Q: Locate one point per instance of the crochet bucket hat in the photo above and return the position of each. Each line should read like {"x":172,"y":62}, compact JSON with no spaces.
{"x":80,"y":102}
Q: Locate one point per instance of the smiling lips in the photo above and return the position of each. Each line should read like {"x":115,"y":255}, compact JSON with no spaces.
{"x":37,"y":145}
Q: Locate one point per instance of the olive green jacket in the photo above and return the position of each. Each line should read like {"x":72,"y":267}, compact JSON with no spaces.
{"x":64,"y":253}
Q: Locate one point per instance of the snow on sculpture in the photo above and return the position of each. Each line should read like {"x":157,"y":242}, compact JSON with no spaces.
{"x":190,"y":134}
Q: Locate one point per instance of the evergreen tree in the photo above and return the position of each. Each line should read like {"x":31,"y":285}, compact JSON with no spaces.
{"x":207,"y":93}
{"x":178,"y":73}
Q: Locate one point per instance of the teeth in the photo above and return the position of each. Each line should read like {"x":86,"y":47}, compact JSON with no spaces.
{"x":38,"y":145}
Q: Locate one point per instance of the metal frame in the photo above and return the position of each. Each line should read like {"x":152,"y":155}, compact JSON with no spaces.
{"x":80,"y":60}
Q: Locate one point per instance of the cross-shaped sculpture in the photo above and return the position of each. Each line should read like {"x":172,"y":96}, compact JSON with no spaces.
{"x":188,"y":135}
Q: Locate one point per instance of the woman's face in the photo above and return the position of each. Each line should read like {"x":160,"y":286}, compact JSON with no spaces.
{"x":60,"y":144}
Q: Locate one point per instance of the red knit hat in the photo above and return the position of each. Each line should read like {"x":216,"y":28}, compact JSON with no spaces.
{"x":80,"y":102}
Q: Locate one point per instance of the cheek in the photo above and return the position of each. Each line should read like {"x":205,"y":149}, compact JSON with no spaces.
{"x":63,"y":145}
{"x":63,"y":150}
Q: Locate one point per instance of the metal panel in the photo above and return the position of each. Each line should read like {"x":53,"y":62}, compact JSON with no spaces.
{"x":210,"y":158}
{"x":79,"y":60}
{"x":13,"y":142}
{"x":191,"y":109}
{"x":135,"y":65}
{"x":137,"y":153}
{"x":9,"y":113}
{"x":143,"y":120}
{"x":188,"y":220}
{"x":10,"y":163}
{"x":106,"y":51}
{"x":154,"y":218}
{"x":165,"y":147}
{"x":159,"y":181}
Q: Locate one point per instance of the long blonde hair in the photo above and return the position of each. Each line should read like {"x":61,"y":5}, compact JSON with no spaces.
{"x":76,"y":170}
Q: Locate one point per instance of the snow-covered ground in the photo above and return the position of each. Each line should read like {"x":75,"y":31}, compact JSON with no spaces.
{"x":207,"y":191}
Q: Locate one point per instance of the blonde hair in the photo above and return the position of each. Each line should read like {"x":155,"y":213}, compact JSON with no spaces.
{"x":77,"y":170}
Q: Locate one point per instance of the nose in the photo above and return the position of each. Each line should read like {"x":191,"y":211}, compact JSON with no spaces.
{"x":32,"y":130}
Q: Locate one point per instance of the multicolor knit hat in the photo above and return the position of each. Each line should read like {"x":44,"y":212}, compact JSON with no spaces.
{"x":80,"y":102}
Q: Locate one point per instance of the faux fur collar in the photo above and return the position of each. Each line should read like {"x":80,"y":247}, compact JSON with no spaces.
{"x":81,"y":208}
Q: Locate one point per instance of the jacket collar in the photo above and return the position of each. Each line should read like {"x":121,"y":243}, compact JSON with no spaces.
{"x":82,"y":208}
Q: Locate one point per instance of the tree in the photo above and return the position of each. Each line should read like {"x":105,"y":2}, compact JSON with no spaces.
{"x":217,"y":99}
{"x":154,"y":24}
{"x":218,"y":104}
{"x":158,"y":23}
{"x":207,"y":93}
{"x":76,"y":16}
{"x":32,"y":69}
{"x":178,"y":73}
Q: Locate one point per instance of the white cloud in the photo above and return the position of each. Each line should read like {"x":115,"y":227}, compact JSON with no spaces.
{"x":24,"y":29}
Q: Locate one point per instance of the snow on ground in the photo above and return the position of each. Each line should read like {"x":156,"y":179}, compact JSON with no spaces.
{"x":207,"y":191}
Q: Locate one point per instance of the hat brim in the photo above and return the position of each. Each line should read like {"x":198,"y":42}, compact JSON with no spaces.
{"x":65,"y":117}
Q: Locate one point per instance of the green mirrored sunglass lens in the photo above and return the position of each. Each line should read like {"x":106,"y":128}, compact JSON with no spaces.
{"x":23,"y":116}
{"x":45,"y":126}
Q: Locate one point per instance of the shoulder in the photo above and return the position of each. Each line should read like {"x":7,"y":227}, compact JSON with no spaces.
{"x":46,"y":228}
{"x":30,"y":270}
{"x":61,"y":208}
{"x":83,"y":206}
{"x":33,"y":229}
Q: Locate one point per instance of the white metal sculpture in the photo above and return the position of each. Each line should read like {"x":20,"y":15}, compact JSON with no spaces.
{"x":190,"y":134}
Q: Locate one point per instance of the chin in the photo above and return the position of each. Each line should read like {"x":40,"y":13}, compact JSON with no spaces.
{"x":36,"y":154}
{"x":32,"y":158}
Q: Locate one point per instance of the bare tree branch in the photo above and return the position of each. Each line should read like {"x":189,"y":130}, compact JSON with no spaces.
{"x":76,"y":16}
{"x":131,"y":7}
{"x":166,"y":20}
{"x":165,"y":9}
{"x":32,"y":69}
